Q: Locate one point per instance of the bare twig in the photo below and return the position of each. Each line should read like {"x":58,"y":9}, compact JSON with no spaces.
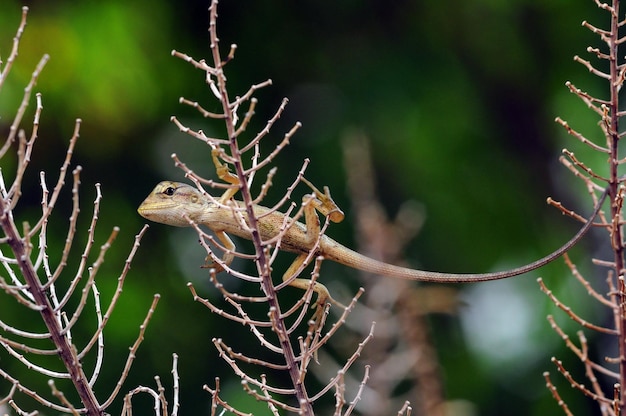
{"x":239,"y":162}
{"x":34,"y":283}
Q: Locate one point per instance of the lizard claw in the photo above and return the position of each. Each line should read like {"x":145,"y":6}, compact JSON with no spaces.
{"x":324,"y":202}
{"x":210,"y":264}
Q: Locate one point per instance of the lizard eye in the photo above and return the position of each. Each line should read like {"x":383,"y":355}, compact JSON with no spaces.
{"x":169,"y":191}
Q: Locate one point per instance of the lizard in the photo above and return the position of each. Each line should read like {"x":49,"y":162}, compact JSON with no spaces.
{"x":181,"y":205}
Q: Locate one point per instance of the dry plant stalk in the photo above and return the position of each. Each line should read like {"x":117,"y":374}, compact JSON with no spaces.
{"x":283,"y":330}
{"x":50,"y":294}
{"x":401,"y":354}
{"x":612,"y":371}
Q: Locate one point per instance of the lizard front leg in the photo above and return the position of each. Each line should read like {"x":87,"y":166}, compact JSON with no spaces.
{"x":224,"y":173}
{"x":227,"y":258}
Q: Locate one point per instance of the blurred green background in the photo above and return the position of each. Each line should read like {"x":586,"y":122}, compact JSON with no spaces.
{"x":458,"y":99}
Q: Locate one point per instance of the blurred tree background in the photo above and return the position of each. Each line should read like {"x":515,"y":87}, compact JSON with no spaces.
{"x":458,"y":99}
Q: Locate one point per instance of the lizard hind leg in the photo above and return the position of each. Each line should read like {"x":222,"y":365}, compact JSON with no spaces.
{"x":324,"y":203}
{"x":323,"y":295}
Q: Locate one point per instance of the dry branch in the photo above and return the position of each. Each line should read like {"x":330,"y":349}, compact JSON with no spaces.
{"x":34,"y":284}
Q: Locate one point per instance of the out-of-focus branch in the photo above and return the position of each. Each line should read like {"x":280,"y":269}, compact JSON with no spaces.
{"x":385,"y":240}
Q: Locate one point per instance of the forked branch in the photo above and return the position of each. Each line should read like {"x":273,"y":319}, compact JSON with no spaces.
{"x":296,"y":349}
{"x":608,"y":110}
{"x":38,"y":287}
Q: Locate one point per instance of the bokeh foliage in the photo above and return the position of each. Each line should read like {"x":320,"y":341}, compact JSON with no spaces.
{"x":458,"y":100}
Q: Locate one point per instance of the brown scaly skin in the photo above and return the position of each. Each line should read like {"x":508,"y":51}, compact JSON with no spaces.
{"x":176,"y":204}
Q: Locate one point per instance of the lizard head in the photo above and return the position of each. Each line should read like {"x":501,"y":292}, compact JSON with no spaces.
{"x":173,"y":203}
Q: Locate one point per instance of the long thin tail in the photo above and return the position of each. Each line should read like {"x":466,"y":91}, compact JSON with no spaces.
{"x":358,"y":261}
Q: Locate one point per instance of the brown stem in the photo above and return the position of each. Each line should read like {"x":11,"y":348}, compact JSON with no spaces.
{"x":262,"y":261}
{"x":66,"y":350}
{"x":612,"y":130}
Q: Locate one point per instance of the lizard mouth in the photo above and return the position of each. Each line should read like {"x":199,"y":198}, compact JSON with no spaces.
{"x":161,"y":213}
{"x":145,"y":212}
{"x":150,"y":211}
